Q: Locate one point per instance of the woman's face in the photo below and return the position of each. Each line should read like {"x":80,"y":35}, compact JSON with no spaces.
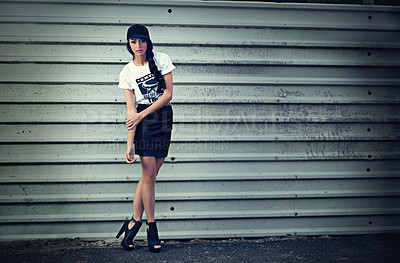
{"x":138,"y":46}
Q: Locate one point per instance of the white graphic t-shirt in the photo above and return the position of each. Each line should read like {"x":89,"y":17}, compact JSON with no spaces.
{"x":142,"y":81}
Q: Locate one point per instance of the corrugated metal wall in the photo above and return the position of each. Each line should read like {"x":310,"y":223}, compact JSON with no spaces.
{"x":286,"y":119}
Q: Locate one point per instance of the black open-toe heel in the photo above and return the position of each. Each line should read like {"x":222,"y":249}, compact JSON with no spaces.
{"x":152,"y":237}
{"x":129,"y":233}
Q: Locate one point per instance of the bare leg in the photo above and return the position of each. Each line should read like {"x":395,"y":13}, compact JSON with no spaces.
{"x":144,"y":198}
{"x":148,"y":181}
{"x":138,"y":207}
{"x":159,"y":162}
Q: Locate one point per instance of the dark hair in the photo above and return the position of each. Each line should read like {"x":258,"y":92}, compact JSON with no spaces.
{"x":152,"y":63}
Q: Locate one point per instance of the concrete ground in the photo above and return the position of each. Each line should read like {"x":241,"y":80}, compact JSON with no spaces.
{"x":359,"y":248}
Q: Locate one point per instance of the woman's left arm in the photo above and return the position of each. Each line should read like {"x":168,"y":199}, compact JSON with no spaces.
{"x":134,"y":119}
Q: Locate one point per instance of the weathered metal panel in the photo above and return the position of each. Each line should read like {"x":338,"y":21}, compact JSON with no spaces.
{"x":36,"y":133}
{"x":200,"y":93}
{"x":222,"y":36}
{"x":287,"y":119}
{"x":104,"y":73}
{"x":206,"y":55}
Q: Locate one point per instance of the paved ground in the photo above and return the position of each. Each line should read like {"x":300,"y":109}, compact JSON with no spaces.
{"x":362,"y":248}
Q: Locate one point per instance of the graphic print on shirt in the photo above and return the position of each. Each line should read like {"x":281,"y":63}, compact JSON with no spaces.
{"x":148,"y":86}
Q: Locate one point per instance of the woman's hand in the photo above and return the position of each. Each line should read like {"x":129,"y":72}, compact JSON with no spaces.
{"x":130,"y":154}
{"x":132,"y":120}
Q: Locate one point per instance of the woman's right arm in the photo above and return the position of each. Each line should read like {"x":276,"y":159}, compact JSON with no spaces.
{"x":131,"y":109}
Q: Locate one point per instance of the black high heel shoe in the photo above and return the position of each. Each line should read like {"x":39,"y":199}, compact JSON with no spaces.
{"x":129,"y":233}
{"x":152,"y":238}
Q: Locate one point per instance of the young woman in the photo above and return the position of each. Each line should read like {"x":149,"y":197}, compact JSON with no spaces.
{"x":147,"y":84}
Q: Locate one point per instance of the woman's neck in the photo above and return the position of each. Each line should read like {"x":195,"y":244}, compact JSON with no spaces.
{"x":140,"y":60}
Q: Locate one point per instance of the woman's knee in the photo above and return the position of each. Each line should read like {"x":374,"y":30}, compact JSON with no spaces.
{"x":149,"y":177}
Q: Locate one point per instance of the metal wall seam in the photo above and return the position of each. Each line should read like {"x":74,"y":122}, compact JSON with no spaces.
{"x":207,"y":14}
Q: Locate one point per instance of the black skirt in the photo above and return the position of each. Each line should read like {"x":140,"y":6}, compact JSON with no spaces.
{"x":153,"y":133}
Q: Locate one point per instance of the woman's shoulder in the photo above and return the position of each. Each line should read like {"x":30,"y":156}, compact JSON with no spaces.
{"x":159,"y":56}
{"x":163,"y":62}
{"x":127,"y":66}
